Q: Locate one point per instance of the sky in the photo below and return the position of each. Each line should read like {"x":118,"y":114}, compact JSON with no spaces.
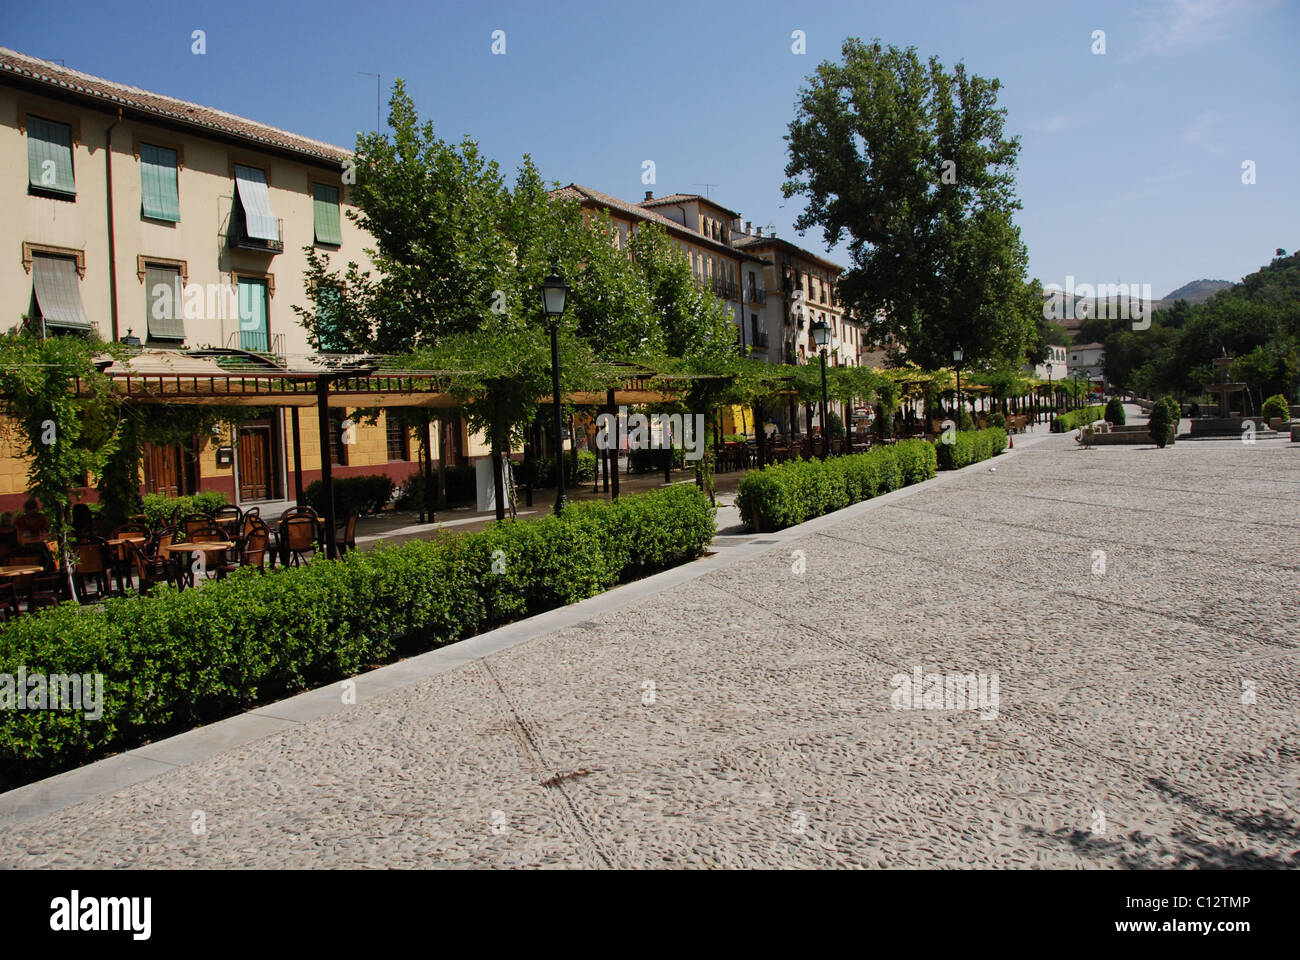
{"x":1131,"y":162}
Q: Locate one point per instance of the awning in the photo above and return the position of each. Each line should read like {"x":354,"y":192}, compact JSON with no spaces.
{"x":58,"y":293}
{"x":325,"y":211}
{"x":255,"y":198}
{"x":163,"y":293}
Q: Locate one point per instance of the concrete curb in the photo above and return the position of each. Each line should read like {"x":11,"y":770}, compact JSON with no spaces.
{"x":117,"y":772}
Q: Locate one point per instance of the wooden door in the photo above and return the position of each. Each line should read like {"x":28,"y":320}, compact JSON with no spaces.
{"x":167,"y":470}
{"x":255,"y":462}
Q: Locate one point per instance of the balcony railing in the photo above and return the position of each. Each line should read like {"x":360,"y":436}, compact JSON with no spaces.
{"x":240,"y":240}
{"x":757,"y":296}
{"x":760,"y":341}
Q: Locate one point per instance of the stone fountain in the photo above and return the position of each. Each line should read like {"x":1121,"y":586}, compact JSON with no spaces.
{"x":1226,"y":422}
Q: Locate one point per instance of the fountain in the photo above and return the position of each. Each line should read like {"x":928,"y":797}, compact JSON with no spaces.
{"x":1226,"y":422}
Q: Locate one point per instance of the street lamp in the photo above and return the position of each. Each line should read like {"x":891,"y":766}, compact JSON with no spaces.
{"x":956,"y":360}
{"x":821,"y":332}
{"x":1051,"y":394}
{"x":554,"y":292}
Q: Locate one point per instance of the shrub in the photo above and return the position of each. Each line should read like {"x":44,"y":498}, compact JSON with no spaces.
{"x":173,"y":659}
{"x":998,"y":419}
{"x":785,"y":494}
{"x":651,"y":461}
{"x":364,"y":494}
{"x":1163,"y":422}
{"x":1115,"y":412}
{"x":544,"y":470}
{"x":1275,"y":407}
{"x":158,"y":508}
{"x":1077,"y":418}
{"x":964,"y":421}
{"x":461,"y":487}
{"x":970,"y":446}
{"x":835,"y":424}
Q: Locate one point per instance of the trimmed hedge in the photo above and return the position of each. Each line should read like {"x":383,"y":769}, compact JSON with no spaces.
{"x":172,"y":659}
{"x":158,"y":508}
{"x":785,"y":494}
{"x":1115,"y":412}
{"x":971,"y":446}
{"x":1078,"y":418}
{"x":1276,"y":407}
{"x":365,"y":494}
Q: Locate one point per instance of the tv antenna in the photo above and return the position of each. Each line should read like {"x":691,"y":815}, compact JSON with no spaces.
{"x":706,"y":188}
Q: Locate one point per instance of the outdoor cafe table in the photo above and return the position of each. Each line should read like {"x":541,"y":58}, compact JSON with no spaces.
{"x":204,"y":547}
{"x":20,"y":569}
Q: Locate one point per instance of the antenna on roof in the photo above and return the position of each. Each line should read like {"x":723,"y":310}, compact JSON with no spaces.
{"x":706,"y":188}
{"x":377,"y":88}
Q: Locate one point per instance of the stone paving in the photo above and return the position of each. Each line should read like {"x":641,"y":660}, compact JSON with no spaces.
{"x":1146,"y":716}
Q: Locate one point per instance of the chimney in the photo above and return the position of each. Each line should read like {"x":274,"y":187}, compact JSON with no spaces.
{"x":749,"y":227}
{"x":649,"y":195}
{"x":760,"y":232}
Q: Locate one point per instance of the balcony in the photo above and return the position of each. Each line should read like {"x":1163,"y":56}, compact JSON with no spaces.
{"x":757,"y":296}
{"x":760,"y":341}
{"x":240,"y":240}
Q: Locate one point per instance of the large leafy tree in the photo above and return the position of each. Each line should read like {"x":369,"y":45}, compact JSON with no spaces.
{"x":909,"y":161}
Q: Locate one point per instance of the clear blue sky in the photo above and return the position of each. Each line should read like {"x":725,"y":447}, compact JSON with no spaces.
{"x":1130,"y":168}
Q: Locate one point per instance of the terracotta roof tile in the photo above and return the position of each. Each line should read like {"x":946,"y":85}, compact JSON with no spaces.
{"x":18,"y":67}
{"x":684,"y":198}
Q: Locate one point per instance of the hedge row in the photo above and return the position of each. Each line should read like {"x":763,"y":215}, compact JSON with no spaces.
{"x":366,"y":494}
{"x":971,"y":446}
{"x":158,"y":508}
{"x":1078,"y":418}
{"x":788,"y":493}
{"x":173,"y":660}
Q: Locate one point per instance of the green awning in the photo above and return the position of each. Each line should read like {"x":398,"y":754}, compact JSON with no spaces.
{"x":49,"y":156}
{"x":57,"y":290}
{"x":160,"y":196}
{"x":325,"y":207}
{"x":252,"y":315}
{"x":255,"y":198}
{"x":163,"y":294}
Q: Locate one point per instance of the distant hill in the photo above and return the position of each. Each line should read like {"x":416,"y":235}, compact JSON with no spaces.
{"x":1198,"y":291}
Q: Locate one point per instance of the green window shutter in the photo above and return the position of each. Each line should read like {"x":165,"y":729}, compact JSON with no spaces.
{"x":159,"y":193}
{"x":252,"y":316}
{"x":325,"y":206}
{"x":57,"y":291}
{"x":49,"y":156}
{"x":163,"y":294}
{"x":255,"y":199}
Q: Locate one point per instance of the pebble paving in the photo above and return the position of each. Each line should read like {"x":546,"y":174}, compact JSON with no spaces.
{"x":1147,"y":713}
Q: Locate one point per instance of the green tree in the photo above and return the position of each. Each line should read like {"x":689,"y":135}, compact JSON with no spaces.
{"x":909,"y":160}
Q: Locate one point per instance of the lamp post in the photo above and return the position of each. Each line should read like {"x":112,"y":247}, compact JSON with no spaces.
{"x":821,"y":332}
{"x":956,"y":361}
{"x":554,"y":293}
{"x":1050,"y":392}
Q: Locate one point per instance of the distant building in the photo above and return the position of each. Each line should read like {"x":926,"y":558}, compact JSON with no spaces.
{"x":1089,"y":359}
{"x":1057,"y":356}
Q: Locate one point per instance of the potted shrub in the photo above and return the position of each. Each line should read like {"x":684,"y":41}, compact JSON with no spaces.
{"x":1115,"y":412}
{"x":1276,"y":412}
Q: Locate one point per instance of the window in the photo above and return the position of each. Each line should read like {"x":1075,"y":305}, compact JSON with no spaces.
{"x":328,"y":301}
{"x":325,"y":209}
{"x":254,"y":205}
{"x":56,"y":295}
{"x":399,"y":438}
{"x":253,"y":331}
{"x":163,"y":290}
{"x":49,"y":157}
{"x":338,"y":449}
{"x":159,"y":192}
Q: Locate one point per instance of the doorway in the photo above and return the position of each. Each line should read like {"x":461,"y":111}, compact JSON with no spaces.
{"x":258,"y":467}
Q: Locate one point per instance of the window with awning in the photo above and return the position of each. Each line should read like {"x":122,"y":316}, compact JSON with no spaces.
{"x":325,"y":210}
{"x":255,"y":203}
{"x":159,"y":190}
{"x":163,"y":294}
{"x":49,"y":156}
{"x":56,"y":294}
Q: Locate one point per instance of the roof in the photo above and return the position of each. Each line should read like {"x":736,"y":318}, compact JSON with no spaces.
{"x":686,"y":198}
{"x":750,"y":241}
{"x":54,"y":80}
{"x":577,"y":191}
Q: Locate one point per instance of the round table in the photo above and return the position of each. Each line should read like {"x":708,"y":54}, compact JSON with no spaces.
{"x":201,"y":546}
{"x":19,"y":569}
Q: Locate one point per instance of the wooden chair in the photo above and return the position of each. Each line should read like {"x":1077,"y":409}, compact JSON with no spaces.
{"x":45,"y":590}
{"x":134,"y":531}
{"x":150,"y":570}
{"x":253,"y":552}
{"x":346,"y":535}
{"x":229,"y":519}
{"x":297,"y":537}
{"x":93,"y":564}
{"x":9,"y":609}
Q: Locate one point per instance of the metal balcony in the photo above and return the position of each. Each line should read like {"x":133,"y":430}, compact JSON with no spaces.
{"x":240,"y":240}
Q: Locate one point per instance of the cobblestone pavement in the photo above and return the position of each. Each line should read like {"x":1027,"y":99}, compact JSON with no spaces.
{"x":1146,"y":715}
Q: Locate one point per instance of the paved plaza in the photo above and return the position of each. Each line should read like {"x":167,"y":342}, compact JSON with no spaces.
{"x":1138,"y":611}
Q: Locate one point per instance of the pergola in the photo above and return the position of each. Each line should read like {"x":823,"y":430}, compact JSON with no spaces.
{"x":238,"y":378}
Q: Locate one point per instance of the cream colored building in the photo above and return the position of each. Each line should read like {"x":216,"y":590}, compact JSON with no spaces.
{"x":139,"y":215}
